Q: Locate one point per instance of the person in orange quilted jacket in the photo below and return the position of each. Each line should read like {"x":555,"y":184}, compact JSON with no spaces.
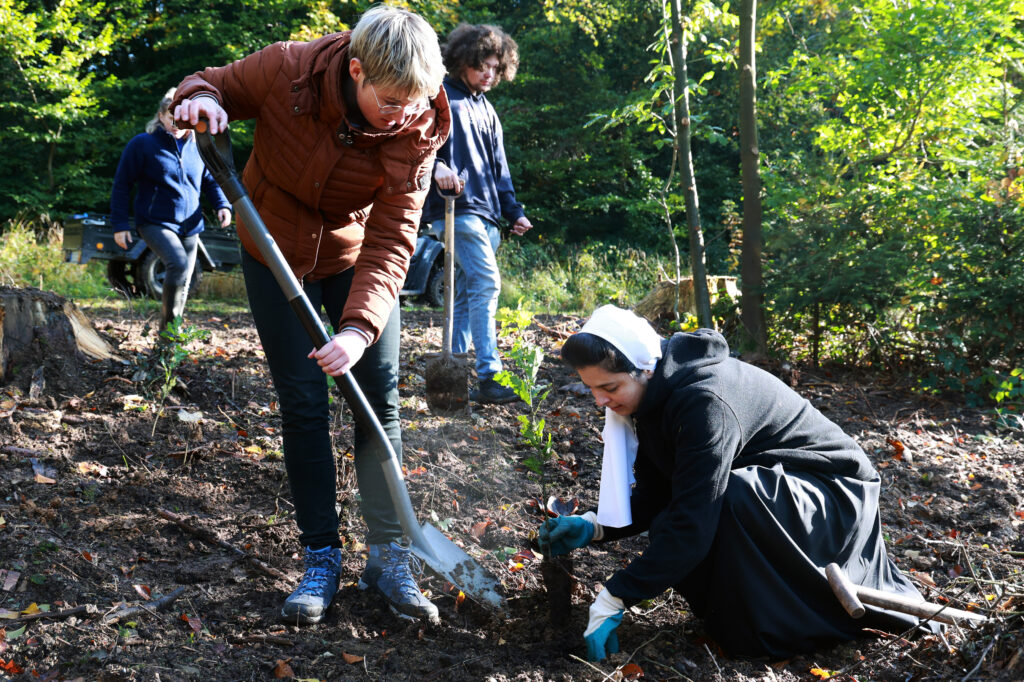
{"x":347,"y":129}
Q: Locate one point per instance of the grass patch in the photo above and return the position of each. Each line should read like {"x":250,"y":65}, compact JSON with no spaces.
{"x":31,"y":256}
{"x":576,"y":279}
{"x":542,"y":277}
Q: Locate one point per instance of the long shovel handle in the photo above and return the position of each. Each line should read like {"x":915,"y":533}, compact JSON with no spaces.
{"x":216,"y":153}
{"x":449,"y":274}
{"x":449,"y":264}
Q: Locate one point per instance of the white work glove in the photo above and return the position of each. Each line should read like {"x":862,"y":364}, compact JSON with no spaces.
{"x":605,"y":615}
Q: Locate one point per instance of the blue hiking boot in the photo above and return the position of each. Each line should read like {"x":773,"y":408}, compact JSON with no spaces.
{"x":388,"y":571}
{"x":309,"y":601}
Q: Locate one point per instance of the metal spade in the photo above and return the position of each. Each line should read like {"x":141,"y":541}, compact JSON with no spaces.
{"x":438,"y":552}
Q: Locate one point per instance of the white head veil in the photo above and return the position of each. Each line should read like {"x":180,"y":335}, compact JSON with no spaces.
{"x":634,"y":337}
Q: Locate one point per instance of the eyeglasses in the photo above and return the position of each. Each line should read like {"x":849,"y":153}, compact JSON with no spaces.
{"x":392,"y":109}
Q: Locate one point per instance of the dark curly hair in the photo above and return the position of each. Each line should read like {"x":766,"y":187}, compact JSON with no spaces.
{"x":468,"y":45}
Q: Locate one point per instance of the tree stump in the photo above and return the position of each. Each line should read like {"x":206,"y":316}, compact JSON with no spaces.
{"x":660,"y":302}
{"x":45,"y":337}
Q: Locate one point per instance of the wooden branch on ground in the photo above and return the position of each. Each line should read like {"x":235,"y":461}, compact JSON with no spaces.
{"x":551,"y":331}
{"x":148,"y":607}
{"x":261,"y":639}
{"x":85,"y":609}
{"x":209,"y":537}
{"x":14,"y":450}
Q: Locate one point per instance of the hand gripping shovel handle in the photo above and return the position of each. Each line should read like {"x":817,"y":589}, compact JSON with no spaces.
{"x":216,"y":153}
{"x":428,"y":543}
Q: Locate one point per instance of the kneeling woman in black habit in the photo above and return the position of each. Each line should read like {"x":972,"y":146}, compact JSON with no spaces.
{"x":747,"y":492}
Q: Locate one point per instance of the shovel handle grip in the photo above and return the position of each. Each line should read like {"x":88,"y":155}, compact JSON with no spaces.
{"x":850,"y":595}
{"x":845,"y":591}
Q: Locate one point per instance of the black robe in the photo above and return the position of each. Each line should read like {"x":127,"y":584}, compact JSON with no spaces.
{"x":748,"y":492}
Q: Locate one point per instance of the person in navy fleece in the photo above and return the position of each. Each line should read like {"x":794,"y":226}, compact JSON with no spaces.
{"x":165,"y":165}
{"x":477,"y":57}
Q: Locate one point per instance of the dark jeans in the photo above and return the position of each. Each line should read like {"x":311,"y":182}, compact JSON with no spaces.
{"x":178,"y":254}
{"x":305,"y":412}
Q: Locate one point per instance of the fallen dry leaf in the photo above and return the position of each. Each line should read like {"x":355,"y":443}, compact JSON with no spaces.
{"x":282,"y":670}
{"x":351,"y":658}
{"x":631,"y":671}
{"x":92,"y":469}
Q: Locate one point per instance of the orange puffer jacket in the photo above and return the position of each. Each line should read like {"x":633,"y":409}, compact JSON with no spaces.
{"x":333,"y":195}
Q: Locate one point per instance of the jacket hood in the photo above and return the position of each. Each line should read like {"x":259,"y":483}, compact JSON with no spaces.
{"x":459,"y":85}
{"x":684,"y":355}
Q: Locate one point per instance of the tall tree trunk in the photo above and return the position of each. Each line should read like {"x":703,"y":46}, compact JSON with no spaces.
{"x":682,"y":113}
{"x":753,"y":240}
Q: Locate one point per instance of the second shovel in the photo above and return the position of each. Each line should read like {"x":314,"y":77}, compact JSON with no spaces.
{"x":446,"y":376}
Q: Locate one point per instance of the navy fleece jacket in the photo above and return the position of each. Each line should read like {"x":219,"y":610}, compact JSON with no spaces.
{"x":476,"y":146}
{"x":170,"y":176}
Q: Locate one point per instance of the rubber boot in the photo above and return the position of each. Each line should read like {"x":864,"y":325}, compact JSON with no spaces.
{"x":172,"y":304}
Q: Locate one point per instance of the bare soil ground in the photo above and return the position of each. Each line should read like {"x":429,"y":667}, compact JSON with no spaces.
{"x":92,"y":475}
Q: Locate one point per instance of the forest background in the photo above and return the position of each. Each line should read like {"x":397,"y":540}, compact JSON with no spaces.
{"x":890,"y":153}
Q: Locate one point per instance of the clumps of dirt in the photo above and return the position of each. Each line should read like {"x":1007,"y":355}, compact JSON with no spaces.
{"x":85,"y":473}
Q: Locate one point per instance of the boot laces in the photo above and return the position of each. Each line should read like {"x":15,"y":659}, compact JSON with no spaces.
{"x":398,"y":569}
{"x":320,"y":571}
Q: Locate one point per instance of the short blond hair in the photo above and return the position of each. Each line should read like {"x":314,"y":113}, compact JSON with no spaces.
{"x":399,"y":51}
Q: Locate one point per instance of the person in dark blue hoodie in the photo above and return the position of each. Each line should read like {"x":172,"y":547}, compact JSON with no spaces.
{"x":747,"y":493}
{"x":165,"y":165}
{"x":477,"y":58}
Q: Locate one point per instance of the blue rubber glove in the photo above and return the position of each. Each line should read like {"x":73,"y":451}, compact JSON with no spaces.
{"x":605,"y":616}
{"x":563,"y":534}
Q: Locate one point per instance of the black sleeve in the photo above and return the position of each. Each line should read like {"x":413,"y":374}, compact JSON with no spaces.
{"x":706,"y":437}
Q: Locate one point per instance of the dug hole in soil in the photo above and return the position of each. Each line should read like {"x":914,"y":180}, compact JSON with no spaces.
{"x":91,"y":480}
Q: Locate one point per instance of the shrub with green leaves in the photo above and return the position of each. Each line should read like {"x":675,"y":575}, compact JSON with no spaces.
{"x":525,"y":358}
{"x":31,"y":256}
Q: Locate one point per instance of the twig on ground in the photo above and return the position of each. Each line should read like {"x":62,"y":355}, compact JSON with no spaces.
{"x":604,"y":676}
{"x":261,"y":639}
{"x":209,"y":537}
{"x":713,"y":659}
{"x":669,"y":668}
{"x":25,"y":452}
{"x":551,"y":331}
{"x":106,"y":425}
{"x":981,"y":660}
{"x":85,"y":609}
{"x":438,"y":672}
{"x":149,"y":607}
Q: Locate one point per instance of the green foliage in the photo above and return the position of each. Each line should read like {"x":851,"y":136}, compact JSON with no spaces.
{"x":31,"y":256}
{"x":577,"y":278}
{"x":895,"y":232}
{"x":526,"y":357}
{"x":51,"y":94}
{"x":1008,"y":388}
{"x":889,"y":132}
{"x":171,"y":352}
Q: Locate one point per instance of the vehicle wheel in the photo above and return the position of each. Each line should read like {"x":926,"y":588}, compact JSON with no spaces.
{"x":150,"y":273}
{"x":434,"y":295}
{"x":121,"y":278}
